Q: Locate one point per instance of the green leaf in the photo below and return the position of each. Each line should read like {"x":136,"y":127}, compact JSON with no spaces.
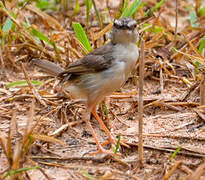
{"x":146,"y":27}
{"x":202,"y":45}
{"x":81,"y":35}
{"x":13,"y":172}
{"x":158,"y":29}
{"x":193,"y":18}
{"x":43,"y":4}
{"x":202,"y":11}
{"x":7,"y":25}
{"x":175,"y":153}
{"x":131,"y":9}
{"x":77,"y":8}
{"x":30,"y":141}
{"x":23,"y":83}
{"x":125,"y":5}
{"x":2,"y":5}
{"x":41,"y":36}
{"x":157,"y":6}
{"x":105,"y":109}
{"x":118,"y":144}
{"x":197,"y":64}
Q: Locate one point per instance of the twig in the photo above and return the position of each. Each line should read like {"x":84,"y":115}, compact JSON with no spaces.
{"x":176,"y":137}
{"x":196,"y":155}
{"x":140,"y":104}
{"x":63,"y":127}
{"x":186,"y":169}
{"x":40,"y":169}
{"x":197,"y":6}
{"x":161,"y":81}
{"x":186,"y":94}
{"x":202,"y":90}
{"x":176,"y":23}
{"x":198,"y":173}
{"x":26,"y":34}
{"x":73,"y":158}
{"x":200,"y":114}
{"x":171,"y":171}
{"x":118,"y":118}
{"x":33,"y":89}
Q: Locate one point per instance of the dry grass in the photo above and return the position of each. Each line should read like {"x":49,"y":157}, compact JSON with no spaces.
{"x":52,"y":138}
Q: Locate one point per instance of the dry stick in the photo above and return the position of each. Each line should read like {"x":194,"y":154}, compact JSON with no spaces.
{"x":197,"y":6}
{"x":176,"y":23}
{"x":202,"y":90}
{"x":192,"y":46}
{"x":171,"y":171}
{"x":102,"y":32}
{"x":140,"y":105}
{"x":26,"y":34}
{"x":198,"y":173}
{"x":1,"y":59}
{"x":186,"y":169}
{"x":176,"y":137}
{"x":40,"y":169}
{"x":33,"y":89}
{"x":161,"y":81}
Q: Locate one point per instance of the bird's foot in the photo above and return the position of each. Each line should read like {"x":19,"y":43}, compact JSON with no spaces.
{"x":111,"y":140}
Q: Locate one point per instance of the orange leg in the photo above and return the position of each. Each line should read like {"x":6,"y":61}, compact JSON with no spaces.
{"x":110,"y":137}
{"x":99,"y":146}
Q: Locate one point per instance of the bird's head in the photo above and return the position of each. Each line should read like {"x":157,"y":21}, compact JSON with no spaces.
{"x":124,"y":31}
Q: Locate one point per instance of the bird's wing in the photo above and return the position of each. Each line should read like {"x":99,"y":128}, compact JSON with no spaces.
{"x":96,"y":61}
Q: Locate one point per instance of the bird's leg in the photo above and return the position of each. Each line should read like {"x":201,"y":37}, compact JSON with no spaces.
{"x":99,"y":146}
{"x":110,"y":137}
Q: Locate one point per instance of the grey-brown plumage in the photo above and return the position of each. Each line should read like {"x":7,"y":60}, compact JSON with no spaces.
{"x":102,"y":71}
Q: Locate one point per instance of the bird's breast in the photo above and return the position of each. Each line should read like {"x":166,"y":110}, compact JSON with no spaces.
{"x":128,"y":53}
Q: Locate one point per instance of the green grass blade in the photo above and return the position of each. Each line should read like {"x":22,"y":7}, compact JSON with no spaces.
{"x":97,"y":14}
{"x":118,"y":144}
{"x":125,"y":5}
{"x":201,"y":11}
{"x":175,"y":153}
{"x":131,"y":9}
{"x":157,"y":6}
{"x":43,"y":4}
{"x":193,"y":18}
{"x":88,"y":8}
{"x":81,"y":35}
{"x":202,"y":45}
{"x":13,"y":172}
{"x":7,"y":25}
{"x":41,"y":36}
{"x":23,"y":83}
{"x":77,"y":8}
{"x":158,"y":29}
{"x":105,"y":110}
{"x":30,"y":141}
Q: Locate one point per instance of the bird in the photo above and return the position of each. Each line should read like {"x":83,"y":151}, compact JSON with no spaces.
{"x":99,"y":73}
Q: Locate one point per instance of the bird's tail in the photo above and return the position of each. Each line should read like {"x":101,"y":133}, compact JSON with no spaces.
{"x":48,"y":66}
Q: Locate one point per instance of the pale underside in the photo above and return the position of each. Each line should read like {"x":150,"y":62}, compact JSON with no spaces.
{"x":93,"y":87}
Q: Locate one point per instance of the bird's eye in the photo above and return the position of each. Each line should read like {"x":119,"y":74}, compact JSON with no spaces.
{"x":116,"y":25}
